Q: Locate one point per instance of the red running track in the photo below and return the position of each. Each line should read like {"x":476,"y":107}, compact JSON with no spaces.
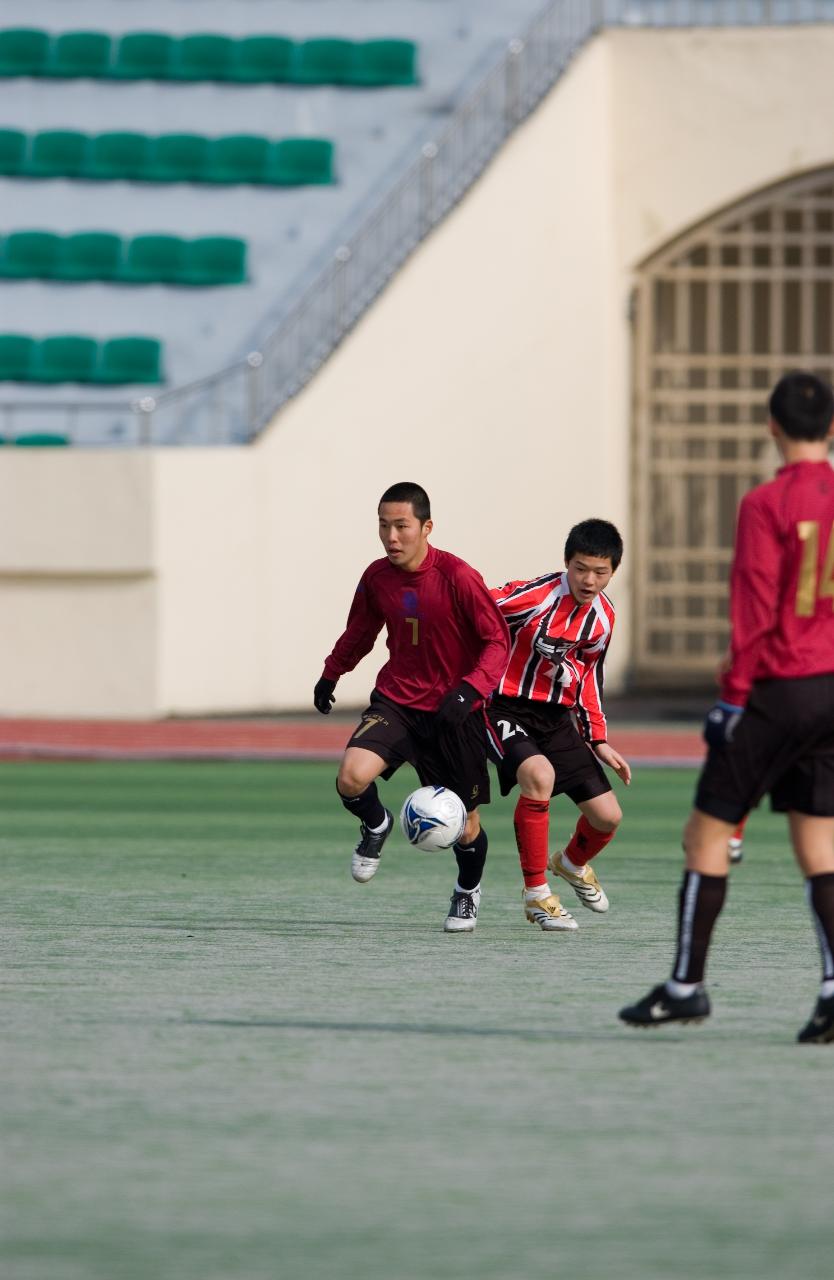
{"x":259,"y":740}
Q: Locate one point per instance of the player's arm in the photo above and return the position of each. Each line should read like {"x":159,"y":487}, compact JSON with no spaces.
{"x":364,"y":624}
{"x":754,"y":581}
{"x":518,"y":600}
{"x":480,"y":612}
{"x":591,"y":716}
{"x":478,"y":605}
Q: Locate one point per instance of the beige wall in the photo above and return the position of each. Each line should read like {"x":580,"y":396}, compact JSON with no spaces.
{"x":212,"y":587}
{"x":78,"y":619}
{"x":494,"y":370}
{"x":704,"y":118}
{"x":463,"y":377}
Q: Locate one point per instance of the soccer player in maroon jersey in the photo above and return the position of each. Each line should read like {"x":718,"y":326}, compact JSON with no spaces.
{"x":448,"y":646}
{"x":773,"y":730}
{"x":560,"y":627}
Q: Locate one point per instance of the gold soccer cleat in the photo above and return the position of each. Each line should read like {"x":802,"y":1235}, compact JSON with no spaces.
{"x":587,"y":888}
{"x":548,"y":914}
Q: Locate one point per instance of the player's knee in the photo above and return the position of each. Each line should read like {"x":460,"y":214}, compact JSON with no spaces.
{"x":473,"y":826}
{"x":536,"y":778}
{"x":606,"y":817}
{"x":612,"y":818}
{"x":350,"y":782}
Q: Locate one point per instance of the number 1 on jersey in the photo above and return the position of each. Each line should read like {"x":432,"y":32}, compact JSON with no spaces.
{"x":808,"y":589}
{"x":415,"y":629}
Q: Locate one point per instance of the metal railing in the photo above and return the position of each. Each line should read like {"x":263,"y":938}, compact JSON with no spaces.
{"x":233,"y":406}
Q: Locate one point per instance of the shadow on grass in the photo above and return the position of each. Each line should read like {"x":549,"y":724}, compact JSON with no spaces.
{"x":400,"y":1028}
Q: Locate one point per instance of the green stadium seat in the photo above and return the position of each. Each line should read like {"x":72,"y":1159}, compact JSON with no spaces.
{"x":118,"y":155}
{"x":80,"y":53}
{"x":23,"y":51}
{"x":238,"y":158}
{"x":263,"y":60}
{"x":58,"y":153}
{"x":42,"y":440}
{"x":130,"y":360}
{"x":153,"y":260}
{"x":16,"y":357}
{"x":144,"y":55}
{"x":384,"y":62}
{"x":203,"y":57}
{"x":31,"y":255}
{"x":12,"y":151}
{"x":178,"y":157}
{"x":214,"y":260}
{"x":323,"y":62}
{"x":90,"y":255}
{"x":65,"y":358}
{"x":301,"y":162}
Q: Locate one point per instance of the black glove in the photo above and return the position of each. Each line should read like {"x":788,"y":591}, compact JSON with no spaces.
{"x":721,"y":723}
{"x":457,"y":705}
{"x":323,"y":695}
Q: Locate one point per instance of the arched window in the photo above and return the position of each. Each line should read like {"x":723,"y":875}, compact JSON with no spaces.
{"x":721,"y":314}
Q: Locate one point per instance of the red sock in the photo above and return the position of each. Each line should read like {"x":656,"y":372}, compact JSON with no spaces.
{"x":586,"y":842}
{"x":531,"y":821}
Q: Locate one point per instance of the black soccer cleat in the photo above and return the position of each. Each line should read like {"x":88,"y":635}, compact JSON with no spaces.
{"x":463,"y":911}
{"x":820,"y":1030}
{"x":365,"y":861}
{"x":659,"y":1007}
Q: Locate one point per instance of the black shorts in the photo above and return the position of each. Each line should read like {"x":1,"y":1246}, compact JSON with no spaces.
{"x":453,"y":758}
{"x":519,"y":728}
{"x":784,"y":745}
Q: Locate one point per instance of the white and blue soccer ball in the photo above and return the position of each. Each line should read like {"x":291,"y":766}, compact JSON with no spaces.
{"x":433,"y":818}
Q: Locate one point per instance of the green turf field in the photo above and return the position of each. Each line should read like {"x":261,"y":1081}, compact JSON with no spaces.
{"x":224,"y":1060}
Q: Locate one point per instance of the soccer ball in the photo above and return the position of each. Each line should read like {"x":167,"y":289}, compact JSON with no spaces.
{"x":433,"y":818}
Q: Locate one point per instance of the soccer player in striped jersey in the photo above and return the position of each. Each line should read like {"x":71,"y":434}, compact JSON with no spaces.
{"x":560,"y":627}
{"x":773,"y":730}
{"x":448,"y":645}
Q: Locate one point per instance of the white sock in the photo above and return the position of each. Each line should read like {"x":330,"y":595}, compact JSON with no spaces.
{"x":537,"y":891}
{"x":681,"y":989}
{"x":568,"y":865}
{"x":381,"y":827}
{"x":458,"y":889}
{"x":827,"y":988}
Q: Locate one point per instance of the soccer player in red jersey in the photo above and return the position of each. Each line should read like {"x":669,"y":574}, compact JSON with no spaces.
{"x":773,"y":730}
{"x":560,"y":626}
{"x":448,"y":646}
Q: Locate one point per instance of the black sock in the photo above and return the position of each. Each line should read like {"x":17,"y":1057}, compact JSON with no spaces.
{"x":471,"y":858}
{"x":699,"y":905}
{"x":821,"y":902}
{"x":367,"y":807}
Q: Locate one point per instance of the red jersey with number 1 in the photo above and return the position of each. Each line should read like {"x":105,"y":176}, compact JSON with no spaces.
{"x":782,"y":581}
{"x":442,"y":624}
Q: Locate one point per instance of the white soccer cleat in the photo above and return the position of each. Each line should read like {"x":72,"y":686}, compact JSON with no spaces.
{"x":587,"y":888}
{"x":736,"y":849}
{"x":365,"y":861}
{"x":463,"y":912}
{"x":548,"y":913}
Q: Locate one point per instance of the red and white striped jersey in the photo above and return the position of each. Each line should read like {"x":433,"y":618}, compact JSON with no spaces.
{"x":545,"y":607}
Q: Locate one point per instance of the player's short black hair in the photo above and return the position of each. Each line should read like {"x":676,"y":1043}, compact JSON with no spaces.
{"x":407,"y":491}
{"x":598,"y":538}
{"x":802,"y":405}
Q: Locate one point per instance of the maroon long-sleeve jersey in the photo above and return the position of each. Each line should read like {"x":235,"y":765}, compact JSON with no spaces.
{"x":782,"y":581}
{"x":443,"y":627}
